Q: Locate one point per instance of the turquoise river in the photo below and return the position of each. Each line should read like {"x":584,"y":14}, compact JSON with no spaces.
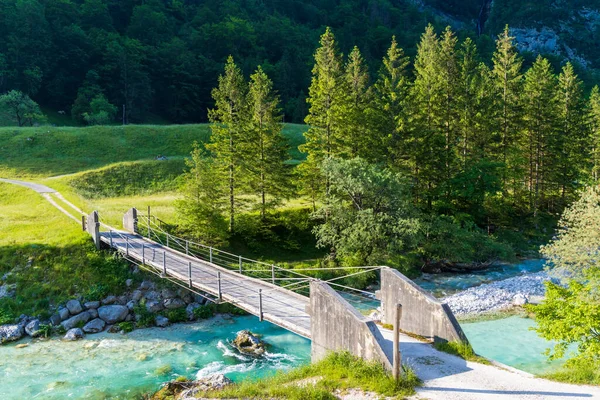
{"x":125,"y":366}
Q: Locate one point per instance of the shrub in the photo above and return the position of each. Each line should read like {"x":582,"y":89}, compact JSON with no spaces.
{"x":205,"y":312}
{"x":176,"y":315}
{"x":144,"y":317}
{"x":126,"y":326}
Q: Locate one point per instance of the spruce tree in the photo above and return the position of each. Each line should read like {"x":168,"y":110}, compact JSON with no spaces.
{"x":540,"y":129}
{"x":594,"y":130}
{"x":266,"y":149}
{"x":569,"y":146}
{"x":507,"y":81}
{"x":355,"y":100}
{"x":427,"y":98}
{"x":324,"y":137}
{"x":389,"y":112}
{"x":228,"y":119}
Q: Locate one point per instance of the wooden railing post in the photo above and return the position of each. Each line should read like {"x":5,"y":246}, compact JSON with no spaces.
{"x":273,"y":273}
{"x":127,"y":246}
{"x":165,"y":263}
{"x":83,"y":218}
{"x":167,"y":240}
{"x":190,"y":273}
{"x":210,"y":254}
{"x":143,"y":254}
{"x":260,"y":307}
{"x":110,"y":238}
{"x":187,"y":247}
{"x":397,"y":359}
{"x":240,"y":264}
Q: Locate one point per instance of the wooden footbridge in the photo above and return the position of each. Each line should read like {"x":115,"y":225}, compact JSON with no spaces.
{"x":289,"y":298}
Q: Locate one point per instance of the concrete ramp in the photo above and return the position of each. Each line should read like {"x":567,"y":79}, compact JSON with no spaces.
{"x":337,"y":326}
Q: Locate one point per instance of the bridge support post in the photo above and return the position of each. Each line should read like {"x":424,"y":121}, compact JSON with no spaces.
{"x":219,"y":283}
{"x":130,"y":221}
{"x":190,"y":273}
{"x":397,"y":359}
{"x":260,"y":308}
{"x":93,"y":228}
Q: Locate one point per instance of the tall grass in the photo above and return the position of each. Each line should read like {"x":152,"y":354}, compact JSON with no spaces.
{"x":337,"y":371}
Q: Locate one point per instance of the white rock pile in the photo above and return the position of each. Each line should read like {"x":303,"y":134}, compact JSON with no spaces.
{"x":498,"y":295}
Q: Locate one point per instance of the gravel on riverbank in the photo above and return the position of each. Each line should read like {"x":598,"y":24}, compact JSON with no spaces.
{"x":498,"y":295}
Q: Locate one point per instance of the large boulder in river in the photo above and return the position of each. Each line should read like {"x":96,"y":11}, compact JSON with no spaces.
{"x":78,"y":319}
{"x":73,"y":334}
{"x":94,"y":326}
{"x":10,"y":333}
{"x":113,"y":314}
{"x":74,"y":307}
{"x":161,"y":321}
{"x":247,"y":343}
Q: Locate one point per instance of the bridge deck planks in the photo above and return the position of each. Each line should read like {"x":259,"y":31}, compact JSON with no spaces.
{"x":280,"y":306}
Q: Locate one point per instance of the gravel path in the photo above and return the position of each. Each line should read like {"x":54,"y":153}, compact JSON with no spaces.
{"x":498,"y":295}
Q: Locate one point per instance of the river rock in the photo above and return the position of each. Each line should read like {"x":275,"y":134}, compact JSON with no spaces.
{"x":154,"y":306}
{"x":122,"y":300}
{"x":131,"y":305}
{"x":173,"y":303}
{"x":93,"y":313}
{"x":213,"y":382}
{"x":92,"y":305}
{"x":167,"y":293}
{"x":129,"y":282}
{"x":55,"y":319}
{"x":113,"y":313}
{"x":161,"y":321}
{"x":33,"y":328}
{"x":76,"y":320}
{"x":64,"y":313}
{"x":189,"y":310}
{"x":247,"y":343}
{"x":136,"y":295}
{"x":73,"y":334}
{"x":152,"y":295}
{"x":94,"y":326}
{"x":147,"y":285}
{"x":7,"y":290}
{"x":74,"y":307}
{"x":109,"y":300}
{"x":10,"y":333}
{"x":185,"y":295}
{"x":520,"y":300}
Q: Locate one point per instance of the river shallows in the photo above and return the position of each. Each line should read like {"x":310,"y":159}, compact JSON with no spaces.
{"x":123,"y":366}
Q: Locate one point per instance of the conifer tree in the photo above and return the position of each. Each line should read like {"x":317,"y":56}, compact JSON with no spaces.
{"x":594,"y":129}
{"x":228,"y":119}
{"x":324,"y":137}
{"x":540,"y":128}
{"x":569,"y":145}
{"x":354,"y":102}
{"x":389,"y":112}
{"x":427,"y":97}
{"x":450,"y":118}
{"x":507,"y":81}
{"x":266,"y":149}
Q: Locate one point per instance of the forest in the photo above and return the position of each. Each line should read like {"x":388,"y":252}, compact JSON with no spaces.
{"x":159,"y":59}
{"x":456,"y":161}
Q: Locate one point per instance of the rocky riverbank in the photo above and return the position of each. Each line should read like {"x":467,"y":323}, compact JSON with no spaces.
{"x":498,"y":296}
{"x":147,"y":305}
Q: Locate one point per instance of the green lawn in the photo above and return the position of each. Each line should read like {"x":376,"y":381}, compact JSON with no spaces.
{"x":49,"y":151}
